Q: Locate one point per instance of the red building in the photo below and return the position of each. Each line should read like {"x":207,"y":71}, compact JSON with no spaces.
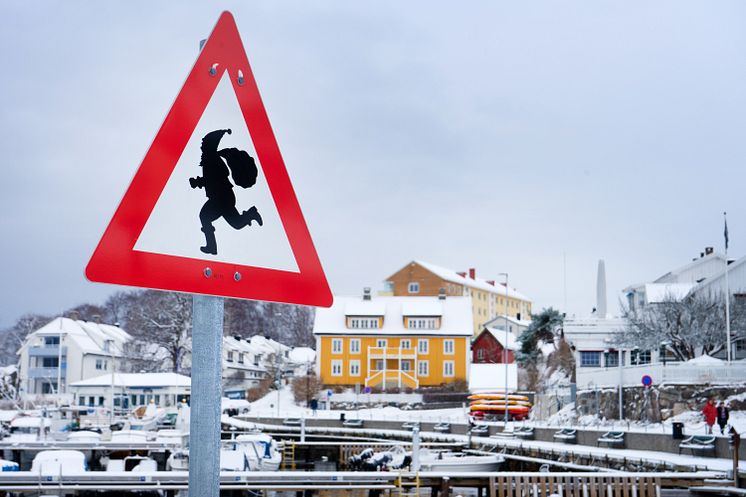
{"x":488,"y":347}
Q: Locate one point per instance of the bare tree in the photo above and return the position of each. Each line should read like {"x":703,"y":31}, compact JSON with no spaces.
{"x":689,"y":327}
{"x":164,"y":319}
{"x":305,"y":388}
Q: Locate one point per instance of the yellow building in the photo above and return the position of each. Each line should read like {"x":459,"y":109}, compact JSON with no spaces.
{"x":489,"y":298}
{"x":385,"y":341}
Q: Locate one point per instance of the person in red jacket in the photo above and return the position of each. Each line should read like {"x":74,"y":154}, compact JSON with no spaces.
{"x":710,"y":412}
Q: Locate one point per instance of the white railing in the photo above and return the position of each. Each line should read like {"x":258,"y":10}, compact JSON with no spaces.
{"x":671,"y":372}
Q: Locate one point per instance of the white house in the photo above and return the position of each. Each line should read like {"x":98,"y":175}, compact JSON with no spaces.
{"x":244,"y":366}
{"x":132,"y":390}
{"x":65,"y":351}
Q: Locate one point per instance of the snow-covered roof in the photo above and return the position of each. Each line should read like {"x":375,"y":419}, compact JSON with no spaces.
{"x":136,"y":380}
{"x":716,"y":284}
{"x":267,"y":345}
{"x":456,"y":316}
{"x":89,"y":337}
{"x":481,"y":284}
{"x":703,"y":267}
{"x":660,"y":292}
{"x":419,"y":307}
{"x":302,"y":355}
{"x":500,"y":337}
{"x":364,"y":308}
{"x":491,"y":377}
{"x":499,"y":322}
{"x":240,"y":345}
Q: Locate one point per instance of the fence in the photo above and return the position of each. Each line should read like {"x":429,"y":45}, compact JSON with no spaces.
{"x":660,"y":373}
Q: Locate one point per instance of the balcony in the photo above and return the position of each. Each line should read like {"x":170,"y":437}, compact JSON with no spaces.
{"x":392,"y":378}
{"x":391,"y":353}
{"x":46,"y":351}
{"x":36,"y":373}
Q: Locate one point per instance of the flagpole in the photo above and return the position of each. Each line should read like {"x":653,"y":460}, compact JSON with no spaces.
{"x":727,"y":291}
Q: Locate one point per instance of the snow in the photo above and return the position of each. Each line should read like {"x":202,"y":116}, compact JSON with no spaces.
{"x":377,"y":398}
{"x":89,"y":337}
{"x":491,"y":377}
{"x":457,"y":318}
{"x":659,"y":292}
{"x":30,"y":422}
{"x":240,"y":404}
{"x":302,"y":355}
{"x":136,"y":380}
{"x":7,"y":416}
{"x":706,"y":360}
{"x":422,"y":308}
{"x":500,"y":336}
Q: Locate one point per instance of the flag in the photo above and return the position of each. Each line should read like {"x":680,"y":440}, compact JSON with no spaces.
{"x":725,"y":232}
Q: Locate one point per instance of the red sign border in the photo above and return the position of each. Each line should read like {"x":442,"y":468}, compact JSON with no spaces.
{"x":116,"y":261}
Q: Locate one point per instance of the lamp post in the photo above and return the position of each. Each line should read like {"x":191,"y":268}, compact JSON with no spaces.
{"x":505,"y":352}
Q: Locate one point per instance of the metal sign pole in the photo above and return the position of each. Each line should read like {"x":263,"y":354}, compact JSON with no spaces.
{"x":204,"y":424}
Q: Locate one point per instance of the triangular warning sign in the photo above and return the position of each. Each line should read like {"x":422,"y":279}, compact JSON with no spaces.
{"x":211,"y":209}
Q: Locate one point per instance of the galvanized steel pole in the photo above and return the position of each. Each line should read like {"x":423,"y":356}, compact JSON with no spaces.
{"x":204,"y":424}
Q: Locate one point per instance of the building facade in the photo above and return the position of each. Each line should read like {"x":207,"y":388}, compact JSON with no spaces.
{"x":66,"y":351}
{"x":489,"y":299}
{"x":489,"y":347}
{"x":387,"y":341}
{"x":132,"y":390}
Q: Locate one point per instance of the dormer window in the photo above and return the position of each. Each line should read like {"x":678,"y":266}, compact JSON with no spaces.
{"x":413,"y":287}
{"x":422,"y":323}
{"x":363,"y":323}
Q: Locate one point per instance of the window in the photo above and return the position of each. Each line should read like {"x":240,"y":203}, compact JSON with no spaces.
{"x":240,"y":357}
{"x":336,"y":346}
{"x":448,"y":347}
{"x":413,"y":287}
{"x":423,"y":368}
{"x":638,"y":357}
{"x":406,"y":365}
{"x":354,"y":346}
{"x":381,"y":342}
{"x":448,"y":368}
{"x":480,"y":354}
{"x":422,"y":346}
{"x":99,"y":364}
{"x":354,"y":368}
{"x":50,"y":362}
{"x":230,"y":356}
{"x":364,"y":323}
{"x":590,"y":359}
{"x":336,"y":368}
{"x":421,"y":323}
{"x":611,"y":359}
{"x":406,"y":344}
{"x":379,"y":365}
{"x":52,"y":340}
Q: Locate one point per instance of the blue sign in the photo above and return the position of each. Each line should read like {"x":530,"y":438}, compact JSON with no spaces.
{"x":328,"y":393}
{"x":647,"y":380}
{"x":367,"y":390}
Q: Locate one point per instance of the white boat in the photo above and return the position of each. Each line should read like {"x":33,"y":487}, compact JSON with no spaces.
{"x":177,"y":439}
{"x":8,"y":466}
{"x":59,"y":462}
{"x":132,"y":436}
{"x":458,"y":462}
{"x":249,"y":452}
{"x":28,"y":429}
{"x":84,"y":436}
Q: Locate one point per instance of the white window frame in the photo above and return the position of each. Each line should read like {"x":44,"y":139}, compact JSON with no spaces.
{"x":406,"y":365}
{"x":355,"y":368}
{"x":337,"y":344}
{"x":383,"y":341}
{"x":449,"y":369}
{"x":446,"y":343}
{"x":354,"y":345}
{"x":423,"y":346}
{"x":413,"y":287}
{"x":423,"y":368}
{"x":406,"y":342}
{"x":337,"y":365}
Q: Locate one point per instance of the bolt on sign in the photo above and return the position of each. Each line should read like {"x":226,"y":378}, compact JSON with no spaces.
{"x":211,"y":209}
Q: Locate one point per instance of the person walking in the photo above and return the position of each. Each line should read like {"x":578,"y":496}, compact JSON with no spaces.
{"x":710,"y":413}
{"x":723,"y":413}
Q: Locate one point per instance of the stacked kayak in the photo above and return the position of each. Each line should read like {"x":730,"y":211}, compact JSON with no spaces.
{"x":494,"y":405}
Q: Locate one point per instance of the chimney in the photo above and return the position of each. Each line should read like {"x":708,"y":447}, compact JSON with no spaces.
{"x":462,"y":274}
{"x":73,"y":315}
{"x":237,"y":338}
{"x":366,"y":293}
{"x":709,"y":250}
{"x":472,"y":273}
{"x":491,"y":282}
{"x":601,"y":290}
{"x":701,"y":254}
{"x":96,"y":318}
{"x":442,"y":294}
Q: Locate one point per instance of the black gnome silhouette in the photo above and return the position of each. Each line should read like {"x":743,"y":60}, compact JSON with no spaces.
{"x":221,"y":201}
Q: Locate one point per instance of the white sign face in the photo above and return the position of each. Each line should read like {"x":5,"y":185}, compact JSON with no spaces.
{"x":195,"y":216}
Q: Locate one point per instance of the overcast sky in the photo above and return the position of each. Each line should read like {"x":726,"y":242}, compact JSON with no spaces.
{"x":491,"y":135}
